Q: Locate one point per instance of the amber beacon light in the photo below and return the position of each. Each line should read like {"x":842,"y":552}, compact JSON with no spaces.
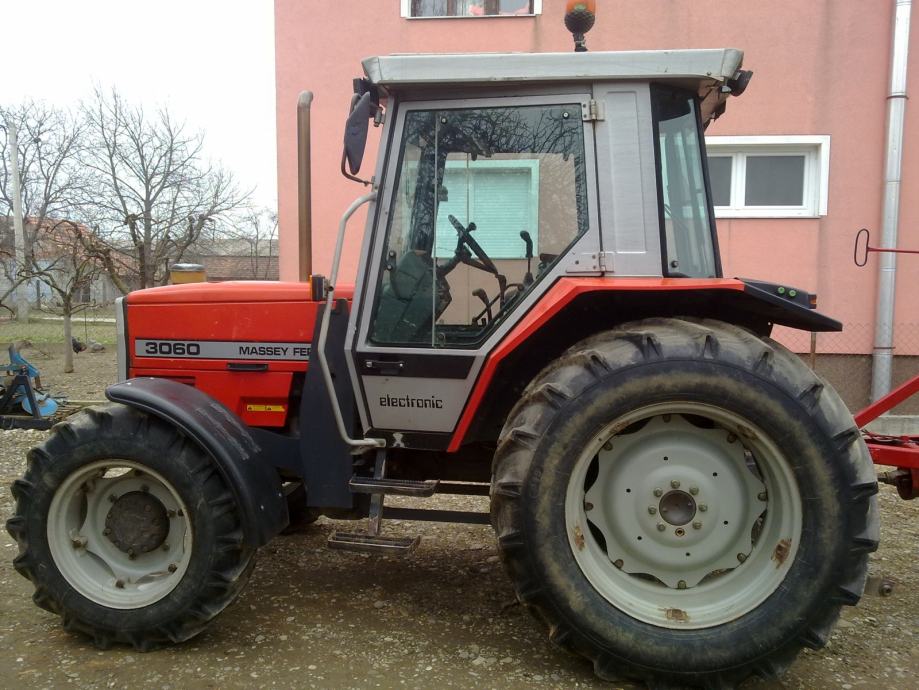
{"x":580,"y":16}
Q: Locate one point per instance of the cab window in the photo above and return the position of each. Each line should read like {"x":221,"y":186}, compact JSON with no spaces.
{"x":486,"y":201}
{"x":686,"y":217}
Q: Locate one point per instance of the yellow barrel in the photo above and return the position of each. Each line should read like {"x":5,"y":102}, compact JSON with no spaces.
{"x":186,"y":273}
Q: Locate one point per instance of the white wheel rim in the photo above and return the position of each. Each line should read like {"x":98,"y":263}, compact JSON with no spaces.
{"x":89,"y":556}
{"x":734,"y":522}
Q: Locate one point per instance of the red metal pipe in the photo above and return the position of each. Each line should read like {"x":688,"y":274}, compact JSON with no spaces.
{"x":888,"y":402}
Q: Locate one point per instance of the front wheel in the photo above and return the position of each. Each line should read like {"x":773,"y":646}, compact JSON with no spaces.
{"x":127,"y":530}
{"x":683,"y":502}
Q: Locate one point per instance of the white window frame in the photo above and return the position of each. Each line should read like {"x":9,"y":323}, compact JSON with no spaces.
{"x":816,"y":152}
{"x":407,"y":13}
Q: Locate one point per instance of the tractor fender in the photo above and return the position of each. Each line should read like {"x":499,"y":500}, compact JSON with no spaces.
{"x":222,"y":434}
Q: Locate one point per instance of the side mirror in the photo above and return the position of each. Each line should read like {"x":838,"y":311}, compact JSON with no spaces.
{"x":356,"y":131}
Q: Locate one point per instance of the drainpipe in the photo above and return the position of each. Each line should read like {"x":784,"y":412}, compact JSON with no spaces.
{"x":887,"y":271}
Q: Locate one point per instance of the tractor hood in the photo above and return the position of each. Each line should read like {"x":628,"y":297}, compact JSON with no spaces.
{"x":231,"y":291}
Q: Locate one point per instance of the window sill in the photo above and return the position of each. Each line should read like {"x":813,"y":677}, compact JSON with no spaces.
{"x":483,"y":16}
{"x":766,"y":213}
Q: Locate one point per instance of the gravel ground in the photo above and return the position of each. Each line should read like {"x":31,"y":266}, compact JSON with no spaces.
{"x":443,"y":617}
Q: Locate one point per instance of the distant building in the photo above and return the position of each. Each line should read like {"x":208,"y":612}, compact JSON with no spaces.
{"x":237,"y":267}
{"x":48,"y":254}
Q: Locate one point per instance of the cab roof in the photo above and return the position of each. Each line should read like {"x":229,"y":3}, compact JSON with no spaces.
{"x":689,"y":68}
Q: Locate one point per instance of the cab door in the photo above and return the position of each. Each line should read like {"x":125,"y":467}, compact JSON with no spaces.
{"x":482,"y":208}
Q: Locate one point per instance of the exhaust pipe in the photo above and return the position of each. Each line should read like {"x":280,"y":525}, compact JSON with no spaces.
{"x":304,"y":187}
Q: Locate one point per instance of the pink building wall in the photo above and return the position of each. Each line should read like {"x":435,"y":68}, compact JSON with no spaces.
{"x":821,"y":68}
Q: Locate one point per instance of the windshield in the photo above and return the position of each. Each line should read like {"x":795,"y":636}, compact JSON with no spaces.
{"x":687,"y":229}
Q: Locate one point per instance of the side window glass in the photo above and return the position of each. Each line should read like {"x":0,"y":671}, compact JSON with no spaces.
{"x":486,"y":201}
{"x":687,"y":225}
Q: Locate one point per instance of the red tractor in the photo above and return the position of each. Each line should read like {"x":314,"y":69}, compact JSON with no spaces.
{"x":540,"y":316}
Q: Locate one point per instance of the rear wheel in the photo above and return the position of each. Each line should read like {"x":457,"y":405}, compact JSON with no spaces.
{"x":683,"y":502}
{"x":127,"y":530}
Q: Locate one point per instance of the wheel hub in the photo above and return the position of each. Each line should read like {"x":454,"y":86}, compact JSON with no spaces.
{"x":674,"y":500}
{"x":677,"y":508}
{"x":675,"y":512}
{"x":137,"y":523}
{"x":119,"y":533}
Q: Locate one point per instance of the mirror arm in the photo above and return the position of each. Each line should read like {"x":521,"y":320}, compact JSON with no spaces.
{"x":344,"y":172}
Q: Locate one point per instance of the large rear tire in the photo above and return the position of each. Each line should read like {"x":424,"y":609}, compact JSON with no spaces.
{"x":684,"y":503}
{"x":127,"y":530}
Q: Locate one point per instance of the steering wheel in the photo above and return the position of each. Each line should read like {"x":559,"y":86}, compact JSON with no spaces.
{"x":465,"y":238}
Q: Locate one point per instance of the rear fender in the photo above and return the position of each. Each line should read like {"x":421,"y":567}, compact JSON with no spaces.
{"x":240,"y":460}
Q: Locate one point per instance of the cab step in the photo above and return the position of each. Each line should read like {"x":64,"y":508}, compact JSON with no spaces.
{"x":367,"y":543}
{"x":393,"y":487}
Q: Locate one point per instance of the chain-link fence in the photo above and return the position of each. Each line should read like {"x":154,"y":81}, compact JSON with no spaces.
{"x":844,"y":359}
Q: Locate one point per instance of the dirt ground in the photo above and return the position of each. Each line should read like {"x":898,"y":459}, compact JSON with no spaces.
{"x":444,"y":617}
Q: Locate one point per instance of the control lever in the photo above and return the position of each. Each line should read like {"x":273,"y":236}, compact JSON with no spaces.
{"x":525,"y":236}
{"x":482,"y":295}
{"x":502,"y":286}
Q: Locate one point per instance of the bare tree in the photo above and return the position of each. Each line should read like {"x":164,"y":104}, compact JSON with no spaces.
{"x":62,"y":264}
{"x":152,"y":189}
{"x":262,"y":236}
{"x":252,"y":233}
{"x":51,"y":178}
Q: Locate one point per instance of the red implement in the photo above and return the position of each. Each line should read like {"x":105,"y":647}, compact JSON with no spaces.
{"x":901,"y":452}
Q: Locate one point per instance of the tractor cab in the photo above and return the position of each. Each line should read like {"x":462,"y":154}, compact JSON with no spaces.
{"x":501,"y":174}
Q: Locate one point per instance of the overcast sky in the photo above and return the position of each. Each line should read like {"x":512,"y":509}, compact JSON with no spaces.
{"x":210,"y":61}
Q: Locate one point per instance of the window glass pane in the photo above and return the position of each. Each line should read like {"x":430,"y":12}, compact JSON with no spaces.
{"x":687,"y":226}
{"x":775,"y":181}
{"x":473,"y":186}
{"x":470,"y":8}
{"x":719,"y":173}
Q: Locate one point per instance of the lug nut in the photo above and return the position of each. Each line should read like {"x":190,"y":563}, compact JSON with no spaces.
{"x":694,"y":490}
{"x":741,"y":557}
{"x":681,"y":584}
{"x":680,"y":532}
{"x":131,"y":554}
{"x":658,"y":492}
{"x":675,"y":483}
{"x":762,"y":495}
{"x":732,"y":438}
{"x":588,"y":505}
{"x":652,"y":510}
{"x":107,"y":531}
{"x":697,"y":525}
{"x":618,"y":563}
{"x":173,"y":567}
{"x":661,"y":526}
{"x":119,"y":584}
{"x":703,"y":507}
{"x":78,"y":542}
{"x":608,"y":445}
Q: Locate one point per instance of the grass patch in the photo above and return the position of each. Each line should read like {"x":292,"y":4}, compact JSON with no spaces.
{"x":44,"y":330}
